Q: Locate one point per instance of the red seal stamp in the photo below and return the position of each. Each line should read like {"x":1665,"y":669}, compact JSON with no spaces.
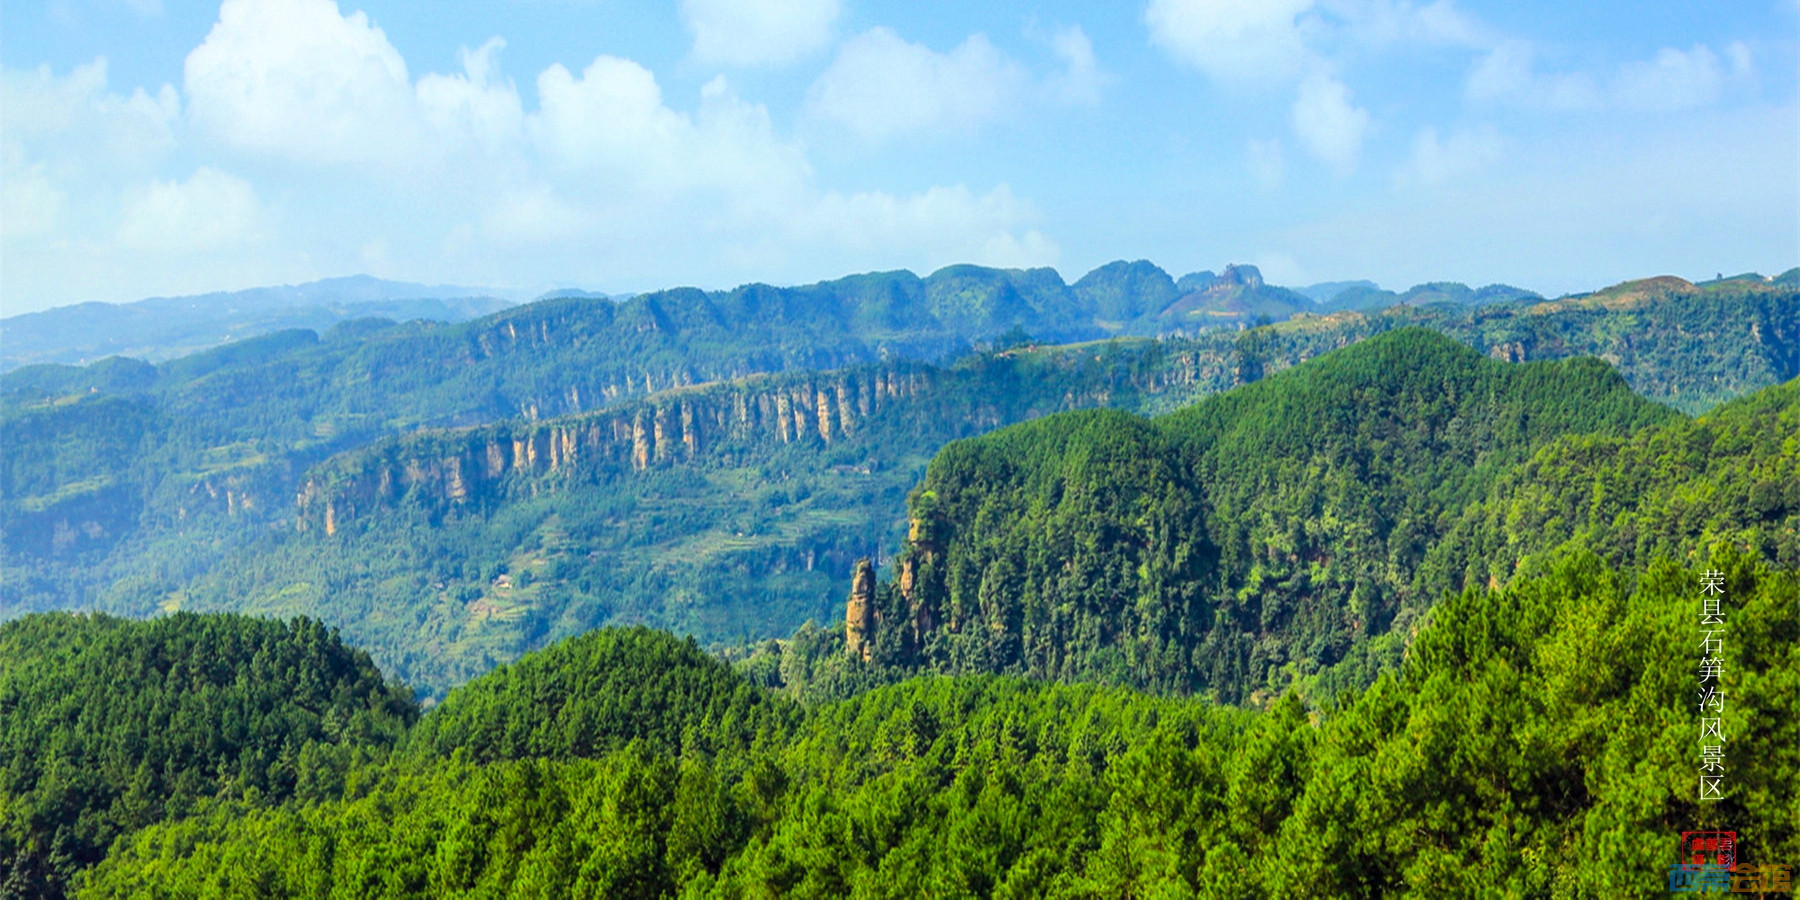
{"x":1717,"y":848}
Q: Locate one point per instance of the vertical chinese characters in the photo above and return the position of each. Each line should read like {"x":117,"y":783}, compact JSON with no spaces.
{"x":1712,"y":691}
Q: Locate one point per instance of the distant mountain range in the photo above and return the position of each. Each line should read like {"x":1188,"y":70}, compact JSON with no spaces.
{"x":167,"y":327}
{"x":1120,"y":297}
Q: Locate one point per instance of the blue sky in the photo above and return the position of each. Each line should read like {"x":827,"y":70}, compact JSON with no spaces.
{"x":162,"y":147}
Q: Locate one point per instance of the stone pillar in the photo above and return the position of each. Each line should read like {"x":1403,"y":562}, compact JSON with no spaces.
{"x":859,"y":613}
{"x":640,"y":442}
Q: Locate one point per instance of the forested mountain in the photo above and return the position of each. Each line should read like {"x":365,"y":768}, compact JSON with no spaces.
{"x":167,"y":327}
{"x":453,"y":496}
{"x":1505,"y":755}
{"x":1232,"y":546}
{"x":716,"y":509}
{"x":1295,"y":532}
{"x":1326,"y":291}
{"x":601,"y":692}
{"x":109,"y":725}
{"x":1732,"y":474}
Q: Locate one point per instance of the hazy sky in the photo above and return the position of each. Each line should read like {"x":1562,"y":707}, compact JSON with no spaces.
{"x":160,"y":147}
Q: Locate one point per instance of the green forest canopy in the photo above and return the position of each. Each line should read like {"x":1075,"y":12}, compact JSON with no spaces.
{"x":108,"y":725}
{"x":1529,"y":744}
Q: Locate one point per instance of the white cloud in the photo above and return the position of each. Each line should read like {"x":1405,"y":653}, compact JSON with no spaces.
{"x":374,"y":257}
{"x":1508,"y":73}
{"x":300,"y":81}
{"x":1435,"y":162}
{"x":626,"y":172}
{"x":1327,"y":122}
{"x":811,"y":235}
{"x":758,"y":32}
{"x":1276,"y":41}
{"x":1442,"y":22}
{"x":29,"y":203}
{"x":612,"y":115}
{"x":457,"y":177}
{"x":932,"y":229}
{"x":296,"y":78}
{"x":1281,"y":268}
{"x":1265,"y":161}
{"x":1382,"y":23}
{"x":60,"y":134}
{"x":879,"y":85}
{"x":75,"y":114}
{"x":535,"y":215}
{"x":737,"y":152}
{"x":1232,"y":40}
{"x":40,"y":103}
{"x":1081,"y":79}
{"x":1505,"y":71}
{"x":210,"y":210}
{"x":1743,"y":62}
{"x":612,"y":127}
{"x":478,"y":106}
{"x":1672,"y":80}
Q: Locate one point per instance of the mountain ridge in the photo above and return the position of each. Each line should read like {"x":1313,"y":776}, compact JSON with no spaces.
{"x":1112,"y":296}
{"x":162,"y":328}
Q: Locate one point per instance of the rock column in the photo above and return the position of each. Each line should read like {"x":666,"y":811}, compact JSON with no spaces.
{"x":859,"y":613}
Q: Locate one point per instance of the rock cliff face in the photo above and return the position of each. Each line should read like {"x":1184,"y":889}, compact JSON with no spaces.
{"x":1241,"y":276}
{"x":859,"y":612}
{"x":447,"y":470}
{"x":558,"y":330}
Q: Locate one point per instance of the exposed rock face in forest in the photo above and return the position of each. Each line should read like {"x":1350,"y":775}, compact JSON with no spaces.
{"x":451,"y":468}
{"x":859,"y":613}
{"x":922,"y":545}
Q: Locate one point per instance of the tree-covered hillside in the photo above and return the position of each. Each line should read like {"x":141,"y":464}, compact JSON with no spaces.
{"x":1732,"y":474}
{"x":600,"y":692}
{"x":1233,"y":546}
{"x":1533,"y":743}
{"x":108,"y":725}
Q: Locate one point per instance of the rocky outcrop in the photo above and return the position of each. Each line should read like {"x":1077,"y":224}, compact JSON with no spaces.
{"x":1240,"y":276}
{"x":1508,"y":351}
{"x":449,"y":469}
{"x":859,"y":612}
